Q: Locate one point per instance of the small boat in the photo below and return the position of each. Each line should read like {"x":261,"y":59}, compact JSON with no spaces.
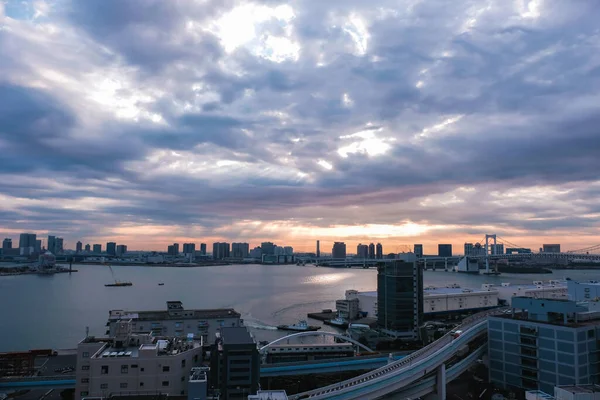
{"x":161,"y":284}
{"x":119,"y":284}
{"x":338,"y":322}
{"x":301,"y":326}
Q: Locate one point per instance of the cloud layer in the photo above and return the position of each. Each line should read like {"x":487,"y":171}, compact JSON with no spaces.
{"x":418,"y":121}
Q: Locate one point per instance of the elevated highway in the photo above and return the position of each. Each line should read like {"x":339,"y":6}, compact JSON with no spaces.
{"x":401,"y":374}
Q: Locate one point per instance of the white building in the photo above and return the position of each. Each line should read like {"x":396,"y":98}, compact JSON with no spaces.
{"x":554,"y":289}
{"x":176,"y":321}
{"x":577,"y":392}
{"x":436,"y":300}
{"x":130,"y":362}
{"x":269,"y":395}
{"x":583,"y":291}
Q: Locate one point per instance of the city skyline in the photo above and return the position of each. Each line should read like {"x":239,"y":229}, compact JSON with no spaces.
{"x":353,"y":121}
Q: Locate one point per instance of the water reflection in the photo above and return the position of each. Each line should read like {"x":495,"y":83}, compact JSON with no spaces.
{"x":327,"y":279}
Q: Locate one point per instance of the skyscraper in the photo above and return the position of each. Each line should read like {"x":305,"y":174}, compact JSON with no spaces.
{"x":268,"y":248}
{"x":59,"y":245}
{"x":176,"y":248}
{"x":203,"y":248}
{"x":362,"y":251}
{"x":7,"y":244}
{"x":240,"y":250}
{"x":379,"y":251}
{"x":97,"y":248}
{"x":27,"y":243}
{"x":468,"y":249}
{"x":78,"y":247}
{"x":371,"y":250}
{"x":52,"y":244}
{"x":338,"y":250}
{"x":444,"y":250}
{"x":318,"y":248}
{"x":121,"y":249}
{"x":418,"y":249}
{"x":400,"y":298}
{"x":111,"y":248}
{"x":220,"y":250}
{"x":189,"y":248}
{"x":87,"y":248}
{"x":38,"y":246}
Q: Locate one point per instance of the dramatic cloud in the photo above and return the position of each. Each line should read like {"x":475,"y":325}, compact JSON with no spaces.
{"x":151,"y":121}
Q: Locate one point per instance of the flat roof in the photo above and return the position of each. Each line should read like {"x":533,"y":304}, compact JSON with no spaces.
{"x":269,"y":395}
{"x":164,"y":314}
{"x":581,"y":388}
{"x":446,"y":290}
{"x":236,"y":335}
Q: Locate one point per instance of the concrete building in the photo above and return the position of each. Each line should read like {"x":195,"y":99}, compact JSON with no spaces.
{"x":27,"y":243}
{"x":7,"y":244}
{"x":418,"y":250}
{"x":256,"y":253}
{"x":362,"y":251}
{"x":51,"y":244}
{"x":288,"y":251}
{"x":379,"y":251}
{"x":551,"y":248}
{"x":543,"y":343}
{"x":87,"y":248}
{"x":203,"y":248}
{"x":583,"y":291}
{"x":577,"y":392}
{"x":134,"y":363}
{"x":348,"y":308}
{"x":400,"y":299}
{"x":38,"y":246}
{"x":497,"y":248}
{"x":177,"y":321}
{"x":189,"y":248}
{"x":78,"y":247}
{"x":338,"y":250}
{"x":59,"y":245}
{"x":235,"y":364}
{"x":269,"y":395}
{"x":267,"y":248}
{"x":97,"y":248}
{"x":318,"y":248}
{"x":240,"y":250}
{"x":468,"y":249}
{"x":444,"y":250}
{"x":371,"y":250}
{"x":220,"y":250}
{"x":111,"y":248}
{"x":121,"y":250}
{"x":552,"y":289}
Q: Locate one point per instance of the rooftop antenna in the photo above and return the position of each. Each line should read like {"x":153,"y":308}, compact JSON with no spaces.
{"x":87,"y":331}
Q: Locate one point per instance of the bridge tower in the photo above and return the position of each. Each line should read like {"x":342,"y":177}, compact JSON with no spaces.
{"x":487,"y":251}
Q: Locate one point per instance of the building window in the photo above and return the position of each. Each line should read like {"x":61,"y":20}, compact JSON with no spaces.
{"x":182,"y":363}
{"x":133,"y":365}
{"x":142,"y":369}
{"x":85,"y":380}
{"x":183,"y":379}
{"x":124,"y":369}
{"x":165,"y":383}
{"x":84,"y":393}
{"x":166,"y":368}
{"x":196,"y":358}
{"x":590,"y":334}
{"x":141,"y":384}
{"x":123,"y":385}
{"x":104,"y":370}
{"x":104,"y":386}
{"x":85,"y":367}
{"x":85,"y":354}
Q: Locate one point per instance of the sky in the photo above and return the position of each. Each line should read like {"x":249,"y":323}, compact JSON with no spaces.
{"x":409,"y":121}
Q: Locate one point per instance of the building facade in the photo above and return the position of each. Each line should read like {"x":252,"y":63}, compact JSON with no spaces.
{"x":27,"y":243}
{"x":97,"y":248}
{"x":176,"y":321}
{"x":267,"y":248}
{"x":235,"y":364}
{"x":543,"y":343}
{"x":7,"y":244}
{"x":371,"y":250}
{"x":87,"y":248}
{"x":221,"y":250}
{"x":338,"y":250}
{"x":240,"y":250}
{"x":121,"y":250}
{"x":347,"y":308}
{"x":111,"y":248}
{"x":379,"y":251}
{"x":418,"y":250}
{"x":78,"y":247}
{"x":203,"y":248}
{"x":189,"y":248}
{"x":134,"y":363}
{"x":551,"y":248}
{"x":444,"y":250}
{"x":362,"y":251}
{"x":400,"y":299}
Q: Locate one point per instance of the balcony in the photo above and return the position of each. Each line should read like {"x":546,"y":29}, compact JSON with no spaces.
{"x":525,"y":330}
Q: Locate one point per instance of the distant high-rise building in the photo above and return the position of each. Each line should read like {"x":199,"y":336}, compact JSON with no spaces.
{"x":189,"y":248}
{"x":278,"y":251}
{"x":203,"y":248}
{"x":78,"y":247}
{"x":379,"y":251}
{"x":362,"y":251}
{"x":27,"y":243}
{"x":121,"y":250}
{"x":38,"y":246}
{"x":338,"y":250}
{"x":468,"y":249}
{"x":52,"y":244}
{"x":7,"y":244}
{"x":444,"y":250}
{"x":97,"y":248}
{"x":267,"y":248}
{"x":288,"y":250}
{"x":418,"y":250}
{"x":59,"y":245}
{"x":551,"y":248}
{"x":220,"y":250}
{"x":318,"y":248}
{"x":176,"y":248}
{"x":400,"y":298}
{"x":371,"y":250}
{"x":240,"y":250}
{"x":87,"y":248}
{"x":498,"y":248}
{"x":111,"y":248}
{"x":171,"y":250}
{"x":256,"y":253}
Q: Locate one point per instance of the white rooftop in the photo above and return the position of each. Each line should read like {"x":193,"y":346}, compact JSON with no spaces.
{"x":269,"y":395}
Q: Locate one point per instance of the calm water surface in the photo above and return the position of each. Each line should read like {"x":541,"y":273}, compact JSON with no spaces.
{"x":54,"y":311}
